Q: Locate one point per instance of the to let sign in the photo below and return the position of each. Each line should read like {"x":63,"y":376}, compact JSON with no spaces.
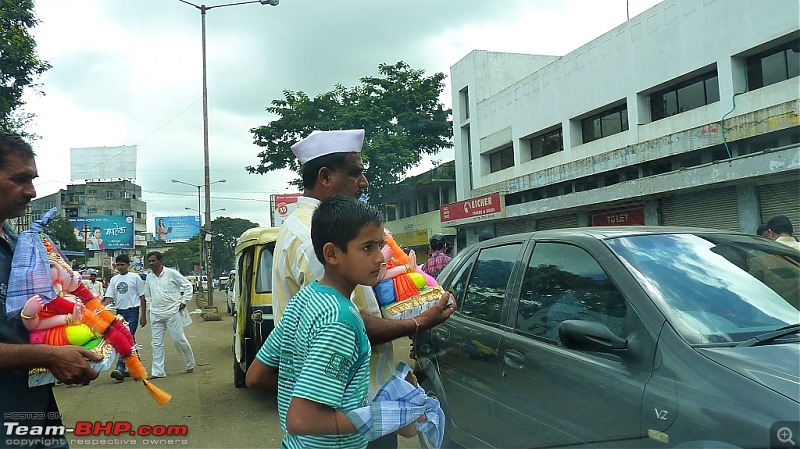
{"x":619,"y":217}
{"x":474,"y":207}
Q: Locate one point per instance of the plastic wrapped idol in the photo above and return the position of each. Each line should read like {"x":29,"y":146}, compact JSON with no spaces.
{"x":404,"y":291}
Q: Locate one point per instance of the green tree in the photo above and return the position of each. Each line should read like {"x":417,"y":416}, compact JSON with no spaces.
{"x":184,"y":256}
{"x":226,"y":232}
{"x":62,"y":232}
{"x":400,"y":111}
{"x":19,"y":63}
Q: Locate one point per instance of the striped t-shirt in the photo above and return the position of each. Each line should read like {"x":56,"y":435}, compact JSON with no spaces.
{"x":321,"y":350}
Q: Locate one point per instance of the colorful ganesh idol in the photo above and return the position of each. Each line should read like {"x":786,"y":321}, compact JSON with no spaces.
{"x":57,"y":308}
{"x":405,"y":291}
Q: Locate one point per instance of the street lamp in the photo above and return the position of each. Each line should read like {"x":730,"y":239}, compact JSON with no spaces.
{"x":203,"y":9}
{"x":203,"y":262}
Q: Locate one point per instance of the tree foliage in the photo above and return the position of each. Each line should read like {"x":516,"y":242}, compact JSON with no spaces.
{"x":62,"y":232}
{"x":226,"y":232}
{"x":19,"y":63}
{"x":400,"y":111}
{"x":184,"y":256}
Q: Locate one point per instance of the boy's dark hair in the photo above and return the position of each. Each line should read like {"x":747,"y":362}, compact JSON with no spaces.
{"x":338,"y":220}
{"x":13,"y":143}
{"x":124,"y":258}
{"x":762,"y":229}
{"x":156,"y":254}
{"x":780,"y":224}
{"x":309,"y":171}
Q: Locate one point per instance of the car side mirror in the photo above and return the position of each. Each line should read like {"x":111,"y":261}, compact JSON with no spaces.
{"x":590,"y":336}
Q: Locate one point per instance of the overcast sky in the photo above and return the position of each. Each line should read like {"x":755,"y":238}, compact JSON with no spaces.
{"x":128,"y":72}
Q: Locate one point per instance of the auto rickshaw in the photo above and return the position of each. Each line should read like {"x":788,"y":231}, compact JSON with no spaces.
{"x":253,"y":319}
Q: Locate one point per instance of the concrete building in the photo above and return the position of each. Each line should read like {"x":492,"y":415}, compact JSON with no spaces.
{"x":684,"y":115}
{"x":100,"y":198}
{"x":413,"y":212}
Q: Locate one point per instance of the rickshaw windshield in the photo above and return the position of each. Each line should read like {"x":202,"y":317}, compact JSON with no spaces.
{"x":264,"y":272}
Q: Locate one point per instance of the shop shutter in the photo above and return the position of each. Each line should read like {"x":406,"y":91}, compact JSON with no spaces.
{"x":711,"y":208}
{"x":780,"y":199}
{"x":508,"y":227}
{"x":561,"y":221}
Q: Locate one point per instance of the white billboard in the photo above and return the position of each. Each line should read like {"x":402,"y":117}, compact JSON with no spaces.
{"x":102,"y":163}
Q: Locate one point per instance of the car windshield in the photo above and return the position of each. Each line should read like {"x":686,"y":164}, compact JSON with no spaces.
{"x":716,"y":288}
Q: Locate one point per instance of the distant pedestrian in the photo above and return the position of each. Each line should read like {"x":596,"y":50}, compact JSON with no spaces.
{"x":485,"y":235}
{"x":780,"y":229}
{"x":439,"y":258}
{"x":125,"y":294}
{"x":167,"y":292}
{"x":94,"y":285}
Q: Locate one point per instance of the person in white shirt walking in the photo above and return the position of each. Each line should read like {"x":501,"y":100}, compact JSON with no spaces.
{"x":167,"y":292}
{"x":125,"y":293}
{"x":94,"y":285}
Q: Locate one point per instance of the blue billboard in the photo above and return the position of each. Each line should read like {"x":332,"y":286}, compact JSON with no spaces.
{"x":177,"y":229}
{"x":104,"y":231}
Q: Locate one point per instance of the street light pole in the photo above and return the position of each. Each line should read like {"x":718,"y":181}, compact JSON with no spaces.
{"x":207,"y":177}
{"x":203,"y":260}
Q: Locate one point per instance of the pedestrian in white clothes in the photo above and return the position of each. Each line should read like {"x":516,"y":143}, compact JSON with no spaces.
{"x":167,"y":292}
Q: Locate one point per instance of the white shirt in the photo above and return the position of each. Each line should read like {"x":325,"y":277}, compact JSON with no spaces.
{"x":95,"y":287}
{"x":165,"y":293}
{"x":125,"y":290}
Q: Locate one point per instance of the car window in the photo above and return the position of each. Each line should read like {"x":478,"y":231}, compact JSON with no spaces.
{"x":264,"y":274}
{"x":564,"y":282}
{"x":716,"y":288}
{"x":486,"y":291}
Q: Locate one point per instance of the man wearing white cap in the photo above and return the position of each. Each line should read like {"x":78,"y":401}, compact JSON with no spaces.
{"x":332,"y":165}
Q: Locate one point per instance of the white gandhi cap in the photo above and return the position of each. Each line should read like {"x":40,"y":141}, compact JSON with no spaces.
{"x":321,"y":143}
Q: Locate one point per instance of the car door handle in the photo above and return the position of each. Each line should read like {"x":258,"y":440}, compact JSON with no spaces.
{"x":514,"y":359}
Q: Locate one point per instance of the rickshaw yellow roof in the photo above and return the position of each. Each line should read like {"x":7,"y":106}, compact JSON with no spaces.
{"x":256,"y":236}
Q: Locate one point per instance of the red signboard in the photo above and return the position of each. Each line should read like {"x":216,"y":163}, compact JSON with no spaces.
{"x":619,"y":217}
{"x":475,"y":207}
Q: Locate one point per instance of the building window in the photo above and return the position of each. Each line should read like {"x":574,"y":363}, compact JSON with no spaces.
{"x":684,"y":96}
{"x":109,"y":212}
{"x":109,"y":195}
{"x":603,"y":124}
{"x":49,"y":205}
{"x":124,"y":194}
{"x":774,"y":65}
{"x":91,"y":211}
{"x":125,"y":212}
{"x":36,"y":215}
{"x":500,"y":160}
{"x":547,"y":143}
{"x":91,"y":191}
{"x":463,"y":95}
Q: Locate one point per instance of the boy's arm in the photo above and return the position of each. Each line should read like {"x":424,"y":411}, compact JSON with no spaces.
{"x":261,"y":377}
{"x":306,"y":417}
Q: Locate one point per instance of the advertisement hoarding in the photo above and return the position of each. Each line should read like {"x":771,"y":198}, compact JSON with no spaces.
{"x":177,"y":229}
{"x":482,"y":207}
{"x":104,"y":231}
{"x":283,"y":204}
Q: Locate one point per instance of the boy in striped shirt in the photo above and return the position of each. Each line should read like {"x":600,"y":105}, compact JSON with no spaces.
{"x":318,"y":355}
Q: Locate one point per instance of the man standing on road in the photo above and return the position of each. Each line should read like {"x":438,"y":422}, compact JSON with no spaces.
{"x":94,"y":286}
{"x":21,"y":404}
{"x":332,"y":165}
{"x":125,"y":293}
{"x":167,"y":292}
{"x":439,"y":259}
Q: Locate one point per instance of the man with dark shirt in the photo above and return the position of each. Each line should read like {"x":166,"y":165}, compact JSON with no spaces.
{"x":20,"y":404}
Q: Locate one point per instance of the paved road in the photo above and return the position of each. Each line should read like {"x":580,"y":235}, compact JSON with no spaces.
{"x":216,"y":414}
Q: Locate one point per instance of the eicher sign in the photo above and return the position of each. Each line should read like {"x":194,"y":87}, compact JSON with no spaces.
{"x":478,"y":207}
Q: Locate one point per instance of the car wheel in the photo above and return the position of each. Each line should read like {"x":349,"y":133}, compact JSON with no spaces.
{"x":238,"y":375}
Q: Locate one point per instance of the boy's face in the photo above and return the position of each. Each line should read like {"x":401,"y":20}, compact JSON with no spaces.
{"x":363,"y":261}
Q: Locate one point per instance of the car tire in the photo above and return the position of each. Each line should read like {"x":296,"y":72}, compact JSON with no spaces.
{"x":238,"y":375}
